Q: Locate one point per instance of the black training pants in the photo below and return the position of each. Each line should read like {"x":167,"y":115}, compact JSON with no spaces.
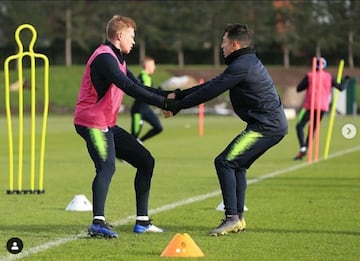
{"x":106,"y":145}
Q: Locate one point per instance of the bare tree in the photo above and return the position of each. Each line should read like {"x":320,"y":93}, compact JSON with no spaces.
{"x":68,"y":37}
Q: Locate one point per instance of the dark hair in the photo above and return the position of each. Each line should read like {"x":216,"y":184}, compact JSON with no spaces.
{"x":239,"y":32}
{"x":322,"y":61}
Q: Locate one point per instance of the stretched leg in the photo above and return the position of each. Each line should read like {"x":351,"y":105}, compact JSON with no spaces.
{"x":231,"y":167}
{"x":225,"y":171}
{"x":302,"y":120}
{"x":100,"y":145}
{"x":136,"y":124}
{"x":130,"y":150}
{"x":314,"y":126}
{"x":150,"y":117}
{"x":101,"y":149}
{"x":241,"y":185}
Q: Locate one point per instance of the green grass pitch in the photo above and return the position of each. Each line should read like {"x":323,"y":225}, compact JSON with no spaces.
{"x":296,"y":211}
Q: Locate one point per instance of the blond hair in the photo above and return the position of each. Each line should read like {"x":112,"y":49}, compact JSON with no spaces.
{"x":118,"y":23}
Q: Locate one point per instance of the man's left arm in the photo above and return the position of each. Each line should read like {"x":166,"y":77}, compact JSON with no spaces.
{"x":211,"y":89}
{"x":341,"y":86}
{"x":132,"y":77}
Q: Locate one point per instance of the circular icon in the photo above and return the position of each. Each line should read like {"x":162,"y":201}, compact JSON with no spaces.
{"x":348,"y":131}
{"x":14,"y":245}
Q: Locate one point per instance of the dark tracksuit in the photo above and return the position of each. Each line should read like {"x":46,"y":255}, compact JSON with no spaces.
{"x":141,"y":111}
{"x":107,"y":141}
{"x":255,"y":100}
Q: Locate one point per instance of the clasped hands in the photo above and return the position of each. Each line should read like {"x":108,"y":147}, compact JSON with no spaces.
{"x":171,"y":107}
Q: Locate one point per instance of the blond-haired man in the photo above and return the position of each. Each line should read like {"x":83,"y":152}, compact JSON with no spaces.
{"x":105,"y":80}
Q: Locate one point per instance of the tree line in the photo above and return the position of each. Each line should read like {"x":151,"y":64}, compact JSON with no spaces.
{"x":285,"y":31}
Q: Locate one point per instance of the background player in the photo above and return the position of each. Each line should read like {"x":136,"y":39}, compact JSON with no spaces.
{"x":141,"y":111}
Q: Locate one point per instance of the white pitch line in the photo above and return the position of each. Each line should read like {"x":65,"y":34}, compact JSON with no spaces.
{"x":60,"y":241}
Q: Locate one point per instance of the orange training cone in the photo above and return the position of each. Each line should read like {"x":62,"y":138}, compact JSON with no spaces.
{"x":182,"y":245}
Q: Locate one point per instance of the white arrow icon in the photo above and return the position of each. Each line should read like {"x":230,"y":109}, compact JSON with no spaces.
{"x":348,"y":131}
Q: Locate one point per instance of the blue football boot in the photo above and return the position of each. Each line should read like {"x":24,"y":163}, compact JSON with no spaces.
{"x":100,"y":228}
{"x":146,"y":226}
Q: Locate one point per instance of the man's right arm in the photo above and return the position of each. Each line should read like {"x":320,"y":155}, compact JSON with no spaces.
{"x":107,"y":66}
{"x":303,"y":84}
{"x":180,"y":94}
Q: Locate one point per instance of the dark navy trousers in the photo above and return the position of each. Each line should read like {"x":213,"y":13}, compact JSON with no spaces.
{"x":232,"y":163}
{"x":104,"y":146}
{"x":145,"y":113}
{"x":302,"y":119}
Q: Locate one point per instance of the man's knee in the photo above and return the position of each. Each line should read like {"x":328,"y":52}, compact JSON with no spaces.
{"x":106,"y":170}
{"x":158,"y":129}
{"x":147,"y":161}
{"x":220,"y":162}
{"x":299,"y":127}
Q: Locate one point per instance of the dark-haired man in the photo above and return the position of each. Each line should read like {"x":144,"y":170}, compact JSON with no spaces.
{"x":255,"y":100}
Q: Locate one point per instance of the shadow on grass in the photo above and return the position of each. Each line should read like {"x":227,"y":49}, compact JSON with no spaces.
{"x":303,"y":231}
{"x":203,"y":230}
{"x":46,"y":229}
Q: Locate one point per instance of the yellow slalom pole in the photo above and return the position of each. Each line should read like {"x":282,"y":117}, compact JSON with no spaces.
{"x":9,"y":122}
{"x":44,"y":120}
{"x":333,"y":109}
{"x":17,"y":57}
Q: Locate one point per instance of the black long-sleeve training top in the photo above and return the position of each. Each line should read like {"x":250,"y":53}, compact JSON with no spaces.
{"x":104,"y":70}
{"x":252,"y":93}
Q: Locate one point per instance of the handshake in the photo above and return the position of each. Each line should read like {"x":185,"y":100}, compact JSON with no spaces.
{"x":171,"y":106}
